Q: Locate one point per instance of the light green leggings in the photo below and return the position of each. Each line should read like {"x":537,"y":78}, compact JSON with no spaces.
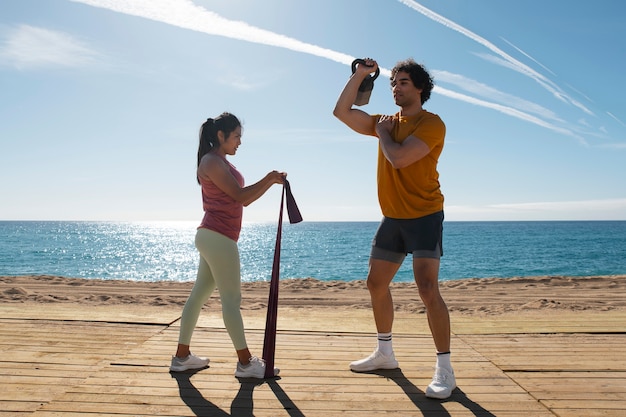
{"x":219,"y":267}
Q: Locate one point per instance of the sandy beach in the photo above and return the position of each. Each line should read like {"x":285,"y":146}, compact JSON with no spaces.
{"x":486,"y":296}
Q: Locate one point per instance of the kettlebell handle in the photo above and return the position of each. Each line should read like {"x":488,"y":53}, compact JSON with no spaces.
{"x":362,"y":61}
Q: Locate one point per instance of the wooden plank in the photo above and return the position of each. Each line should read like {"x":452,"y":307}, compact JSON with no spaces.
{"x":542,"y":321}
{"x":504,"y":374}
{"x":315,"y":380}
{"x":43,"y":358}
{"x":571,"y":374}
{"x":588,"y":412}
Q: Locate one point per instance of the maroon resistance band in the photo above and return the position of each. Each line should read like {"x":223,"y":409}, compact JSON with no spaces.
{"x":269,"y":343}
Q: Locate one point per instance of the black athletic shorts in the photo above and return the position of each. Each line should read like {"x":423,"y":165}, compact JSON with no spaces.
{"x":395,"y":238}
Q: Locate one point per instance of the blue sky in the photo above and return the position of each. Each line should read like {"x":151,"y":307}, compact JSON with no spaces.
{"x":101,"y":101}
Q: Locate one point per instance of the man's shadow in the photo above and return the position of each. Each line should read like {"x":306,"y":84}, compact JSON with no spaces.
{"x":431,"y":406}
{"x":243,"y":403}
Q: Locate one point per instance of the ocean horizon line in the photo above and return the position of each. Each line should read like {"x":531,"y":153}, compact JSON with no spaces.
{"x":310,"y":221}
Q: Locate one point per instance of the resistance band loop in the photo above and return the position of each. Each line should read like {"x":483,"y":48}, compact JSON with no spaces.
{"x":269,"y":343}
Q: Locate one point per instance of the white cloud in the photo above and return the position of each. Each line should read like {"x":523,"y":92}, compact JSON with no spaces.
{"x":29,"y":47}
{"x":240,"y":82}
{"x":607,"y":209}
{"x":619,"y":145}
{"x":600,"y":205}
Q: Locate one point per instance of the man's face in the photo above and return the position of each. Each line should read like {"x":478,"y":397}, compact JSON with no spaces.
{"x":404,"y":92}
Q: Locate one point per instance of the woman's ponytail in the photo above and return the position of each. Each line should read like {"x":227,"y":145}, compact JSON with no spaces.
{"x":225,"y":122}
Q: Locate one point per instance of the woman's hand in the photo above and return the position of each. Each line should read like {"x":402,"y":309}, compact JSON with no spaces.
{"x":276,"y":177}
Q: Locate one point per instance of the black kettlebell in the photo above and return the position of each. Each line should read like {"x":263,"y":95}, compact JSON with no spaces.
{"x":367,"y":85}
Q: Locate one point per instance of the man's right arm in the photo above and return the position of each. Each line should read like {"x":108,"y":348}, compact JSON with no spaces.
{"x":356,"y":119}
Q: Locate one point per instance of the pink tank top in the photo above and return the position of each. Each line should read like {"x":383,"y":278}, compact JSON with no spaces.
{"x":222,"y":213}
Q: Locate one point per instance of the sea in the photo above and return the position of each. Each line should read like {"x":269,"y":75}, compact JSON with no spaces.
{"x":165,"y":251}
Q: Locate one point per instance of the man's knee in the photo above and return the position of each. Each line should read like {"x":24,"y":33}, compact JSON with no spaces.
{"x":428,"y":290}
{"x":380,"y":275}
{"x":376,"y":286}
{"x":426,"y":273}
{"x":428,"y":287}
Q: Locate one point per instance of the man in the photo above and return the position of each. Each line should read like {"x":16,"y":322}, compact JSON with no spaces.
{"x":411,"y":201}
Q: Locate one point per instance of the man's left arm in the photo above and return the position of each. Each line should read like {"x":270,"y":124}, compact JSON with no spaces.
{"x":402,"y":154}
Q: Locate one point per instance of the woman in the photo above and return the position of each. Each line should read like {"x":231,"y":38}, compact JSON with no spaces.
{"x":223,"y":199}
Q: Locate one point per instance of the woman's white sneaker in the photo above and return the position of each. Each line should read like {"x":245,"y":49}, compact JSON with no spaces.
{"x":190,"y":362}
{"x":255,"y":369}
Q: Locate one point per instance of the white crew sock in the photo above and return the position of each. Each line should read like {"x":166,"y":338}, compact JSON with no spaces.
{"x":385,"y":345}
{"x":443,"y":361}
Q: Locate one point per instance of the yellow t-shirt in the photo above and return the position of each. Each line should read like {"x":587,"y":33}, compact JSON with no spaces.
{"x":413,"y":191}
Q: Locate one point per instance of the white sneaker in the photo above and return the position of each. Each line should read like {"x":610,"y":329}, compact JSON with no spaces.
{"x":190,"y":362}
{"x":375,"y":361}
{"x":255,"y":369}
{"x":443,"y":384}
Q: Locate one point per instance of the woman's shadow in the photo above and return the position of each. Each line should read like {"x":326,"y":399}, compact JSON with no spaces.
{"x":243,"y":403}
{"x":428,"y":406}
{"x":194,"y":398}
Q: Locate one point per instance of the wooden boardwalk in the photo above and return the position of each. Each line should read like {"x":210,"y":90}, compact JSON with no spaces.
{"x":109,"y":362}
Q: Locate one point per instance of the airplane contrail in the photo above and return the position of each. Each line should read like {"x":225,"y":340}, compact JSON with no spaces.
{"x":615,"y":118}
{"x":528,"y":56}
{"x":514,"y":63}
{"x":185,"y":14}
